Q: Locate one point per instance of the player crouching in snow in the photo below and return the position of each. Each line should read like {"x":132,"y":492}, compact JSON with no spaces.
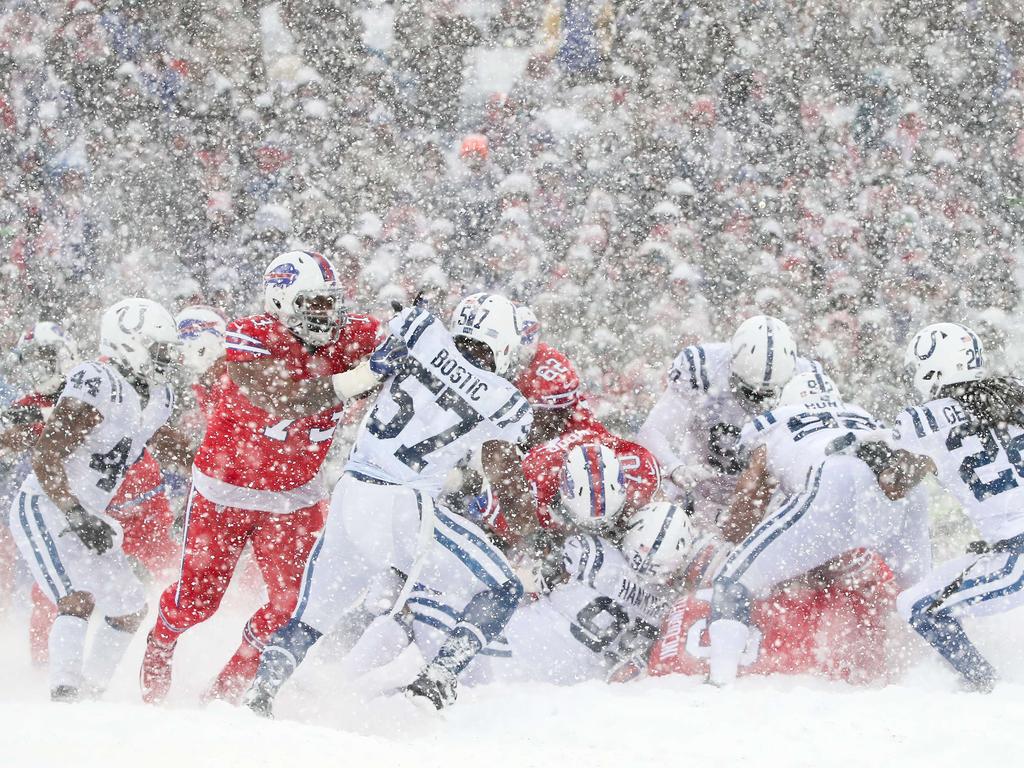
{"x":106,"y":414}
{"x":594,"y":614}
{"x":831,"y":503}
{"x":969,"y":432}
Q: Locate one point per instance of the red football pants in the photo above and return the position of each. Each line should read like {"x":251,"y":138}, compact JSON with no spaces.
{"x":214,"y":539}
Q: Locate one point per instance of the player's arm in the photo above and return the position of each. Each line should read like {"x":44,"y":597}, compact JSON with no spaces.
{"x":270,"y":387}
{"x":753,"y":492}
{"x":902,"y":472}
{"x":69,"y":425}
{"x":171,"y":447}
{"x":503,"y":468}
{"x":669,"y":419}
{"x":19,"y":426}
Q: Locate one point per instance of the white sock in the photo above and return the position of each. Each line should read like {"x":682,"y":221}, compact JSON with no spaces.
{"x":67,"y":647}
{"x":728,"y":639}
{"x":380,"y":644}
{"x":108,"y":648}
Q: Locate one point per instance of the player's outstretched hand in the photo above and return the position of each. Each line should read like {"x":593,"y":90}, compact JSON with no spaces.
{"x":389,"y":357}
{"x":94,"y":532}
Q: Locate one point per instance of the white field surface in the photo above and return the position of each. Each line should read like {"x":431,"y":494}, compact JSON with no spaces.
{"x":923,"y":719}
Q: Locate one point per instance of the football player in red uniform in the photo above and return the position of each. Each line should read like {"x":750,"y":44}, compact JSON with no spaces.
{"x":257,"y":475}
{"x":563,"y":421}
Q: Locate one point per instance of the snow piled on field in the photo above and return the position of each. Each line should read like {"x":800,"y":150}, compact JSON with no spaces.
{"x":324,"y":718}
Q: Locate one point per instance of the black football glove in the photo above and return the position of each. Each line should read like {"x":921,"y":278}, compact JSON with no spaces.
{"x":93,"y":531}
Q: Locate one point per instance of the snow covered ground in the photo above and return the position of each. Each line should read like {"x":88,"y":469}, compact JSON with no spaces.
{"x":922,"y":720}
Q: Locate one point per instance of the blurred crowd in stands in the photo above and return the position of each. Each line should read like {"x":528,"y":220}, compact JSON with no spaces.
{"x":657,"y":172}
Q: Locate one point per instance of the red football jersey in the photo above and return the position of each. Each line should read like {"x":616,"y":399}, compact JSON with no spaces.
{"x":247,"y":447}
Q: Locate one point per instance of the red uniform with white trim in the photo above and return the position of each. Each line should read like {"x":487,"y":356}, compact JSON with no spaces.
{"x":542,"y":467}
{"x":257,"y":479}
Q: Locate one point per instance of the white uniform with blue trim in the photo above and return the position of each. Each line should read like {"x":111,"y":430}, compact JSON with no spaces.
{"x":984,"y":469}
{"x":697,"y":421}
{"x":570,"y":635}
{"x":59,"y":561}
{"x":424,"y":421}
{"x":831,"y":504}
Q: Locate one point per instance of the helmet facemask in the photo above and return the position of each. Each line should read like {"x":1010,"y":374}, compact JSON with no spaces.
{"x":318,"y":316}
{"x":753,"y":401}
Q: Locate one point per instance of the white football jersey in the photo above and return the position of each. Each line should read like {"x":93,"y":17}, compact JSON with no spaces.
{"x":797,"y":437}
{"x":698,"y":419}
{"x":983,"y":468}
{"x":440,"y":409}
{"x":582,"y":627}
{"x":97,"y":467}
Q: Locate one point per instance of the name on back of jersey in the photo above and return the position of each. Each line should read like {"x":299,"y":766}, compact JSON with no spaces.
{"x":458,"y":375}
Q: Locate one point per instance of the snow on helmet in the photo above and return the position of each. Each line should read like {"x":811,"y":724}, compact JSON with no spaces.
{"x":491,"y":320}
{"x":300,"y":288}
{"x":593,"y":489}
{"x":942,"y":354}
{"x":44,"y":354}
{"x":763,"y":358}
{"x":812,"y":387}
{"x":201,"y":330}
{"x":659,"y":538}
{"x":141,"y":336}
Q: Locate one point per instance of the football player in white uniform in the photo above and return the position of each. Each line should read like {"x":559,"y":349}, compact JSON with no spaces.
{"x":713,"y":390}
{"x":831,"y":503}
{"x":443,"y":397}
{"x":970,"y":433}
{"x":106,"y":414}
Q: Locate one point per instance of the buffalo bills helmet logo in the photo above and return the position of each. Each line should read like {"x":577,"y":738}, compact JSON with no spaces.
{"x":190,"y":329}
{"x":282,"y":276}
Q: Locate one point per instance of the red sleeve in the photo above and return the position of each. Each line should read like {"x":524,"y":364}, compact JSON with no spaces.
{"x":360,"y":337}
{"x":246,"y":340}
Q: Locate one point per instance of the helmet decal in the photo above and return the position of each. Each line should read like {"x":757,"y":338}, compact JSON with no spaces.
{"x":283,"y":275}
{"x":325,"y":266}
{"x":193,"y":326}
{"x":122,"y":314}
{"x":934,"y":340}
{"x":595,"y":473}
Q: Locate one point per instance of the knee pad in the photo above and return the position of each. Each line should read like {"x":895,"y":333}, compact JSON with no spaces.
{"x":79,"y":604}
{"x":731,"y":600}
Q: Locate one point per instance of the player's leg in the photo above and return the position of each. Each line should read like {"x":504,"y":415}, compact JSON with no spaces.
{"x":355,"y":546}
{"x":908,"y":551}
{"x":281,"y":545}
{"x":476,"y":578}
{"x":56,"y":563}
{"x":967,"y":586}
{"x":44,"y":611}
{"x":212,"y":542}
{"x":121,"y":601}
{"x":808,"y":530}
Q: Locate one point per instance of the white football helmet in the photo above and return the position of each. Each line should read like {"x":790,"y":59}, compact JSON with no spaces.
{"x":300,"y":288}
{"x":593,"y":488}
{"x":763,"y":359}
{"x":141,"y":336}
{"x":43,"y":356}
{"x":491,"y":320}
{"x":813,"y":387}
{"x":659,"y":539}
{"x":941,"y":354}
{"x":201,"y":330}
